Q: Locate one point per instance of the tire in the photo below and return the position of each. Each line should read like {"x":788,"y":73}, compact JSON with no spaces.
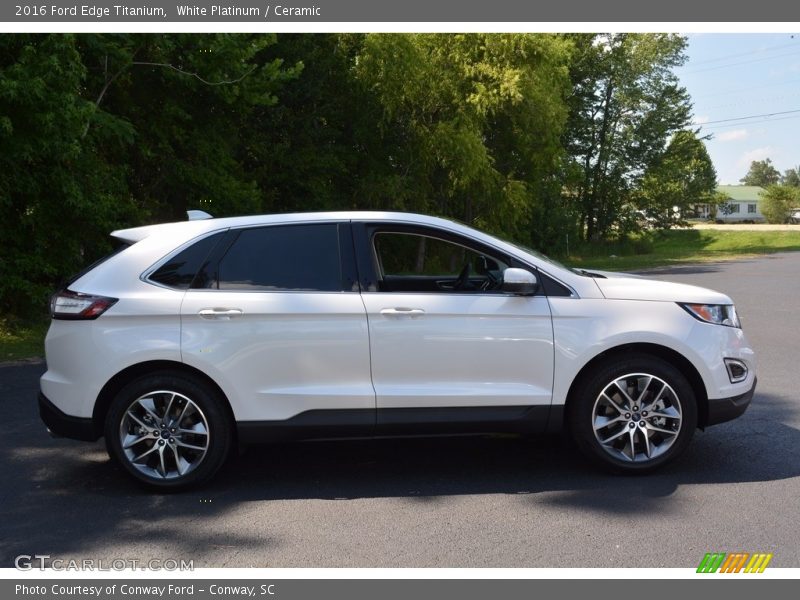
{"x":171,"y":453}
{"x":662,"y":416}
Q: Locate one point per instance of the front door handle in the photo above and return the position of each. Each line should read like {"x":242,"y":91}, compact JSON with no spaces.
{"x":220,"y":314}
{"x":402,"y":312}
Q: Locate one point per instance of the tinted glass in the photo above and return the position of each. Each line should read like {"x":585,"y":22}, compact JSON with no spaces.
{"x":410,"y":254}
{"x":180,"y":270}
{"x":417,"y":263}
{"x":286,"y":257}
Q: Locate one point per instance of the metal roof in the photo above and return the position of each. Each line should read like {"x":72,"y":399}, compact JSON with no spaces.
{"x":742,"y":193}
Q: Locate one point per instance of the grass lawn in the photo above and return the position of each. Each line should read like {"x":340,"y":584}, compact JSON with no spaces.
{"x":680,"y":247}
{"x":22,"y":340}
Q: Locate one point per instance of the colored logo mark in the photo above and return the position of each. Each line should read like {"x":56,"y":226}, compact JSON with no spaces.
{"x":735,"y":562}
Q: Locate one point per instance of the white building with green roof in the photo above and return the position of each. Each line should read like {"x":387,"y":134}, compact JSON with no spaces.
{"x":744,"y":204}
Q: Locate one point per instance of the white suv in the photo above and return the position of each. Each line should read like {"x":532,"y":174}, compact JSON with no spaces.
{"x":206,"y":333}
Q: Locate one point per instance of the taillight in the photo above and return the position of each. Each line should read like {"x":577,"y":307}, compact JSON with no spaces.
{"x":77,"y":306}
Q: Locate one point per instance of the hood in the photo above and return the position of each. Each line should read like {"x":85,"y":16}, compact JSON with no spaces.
{"x":621,"y":286}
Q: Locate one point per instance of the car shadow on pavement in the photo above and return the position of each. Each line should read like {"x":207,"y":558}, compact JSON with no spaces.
{"x":60,"y":497}
{"x":736,"y":452}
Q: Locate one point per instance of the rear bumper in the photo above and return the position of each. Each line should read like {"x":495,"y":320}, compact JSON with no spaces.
{"x":64,"y":425}
{"x":727,"y":409}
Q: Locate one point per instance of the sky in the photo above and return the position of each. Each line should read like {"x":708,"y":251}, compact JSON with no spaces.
{"x":744,"y":75}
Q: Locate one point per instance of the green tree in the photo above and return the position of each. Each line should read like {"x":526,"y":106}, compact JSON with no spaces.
{"x":533,"y":136}
{"x":55,"y":191}
{"x":791,"y":177}
{"x":720,"y":205}
{"x":187,"y":99}
{"x":681,"y":178}
{"x":317,"y":149}
{"x":99,"y":131}
{"x":625,"y":105}
{"x":762,"y":173}
{"x":777,"y":202}
{"x":469,"y":124}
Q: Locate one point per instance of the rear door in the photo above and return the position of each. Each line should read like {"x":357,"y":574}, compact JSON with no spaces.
{"x":279,"y":322}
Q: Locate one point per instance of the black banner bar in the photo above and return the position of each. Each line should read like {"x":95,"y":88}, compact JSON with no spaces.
{"x":730,"y":588}
{"x":471,"y":11}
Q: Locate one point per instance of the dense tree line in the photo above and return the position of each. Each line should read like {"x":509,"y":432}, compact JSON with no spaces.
{"x":533,"y":136}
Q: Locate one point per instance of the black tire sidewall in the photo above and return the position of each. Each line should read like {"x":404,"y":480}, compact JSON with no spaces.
{"x":580,"y":409}
{"x":207,"y":399}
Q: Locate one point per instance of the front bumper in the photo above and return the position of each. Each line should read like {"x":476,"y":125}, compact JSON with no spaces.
{"x":64,"y":425}
{"x":726,"y":409}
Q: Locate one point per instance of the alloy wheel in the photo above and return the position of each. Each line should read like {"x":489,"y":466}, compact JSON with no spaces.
{"x":637,"y":417}
{"x":164,"y":434}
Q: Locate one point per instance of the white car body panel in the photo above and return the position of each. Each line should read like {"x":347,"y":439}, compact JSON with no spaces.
{"x":465,"y":350}
{"x":586,"y":328}
{"x":288,"y":352}
{"x":637,"y":288}
{"x":144,"y":326}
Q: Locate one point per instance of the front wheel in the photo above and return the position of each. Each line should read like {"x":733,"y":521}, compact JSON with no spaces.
{"x":168,"y":430}
{"x":633,"y":414}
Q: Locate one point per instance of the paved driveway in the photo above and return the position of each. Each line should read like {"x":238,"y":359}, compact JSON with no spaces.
{"x":442,"y":502}
{"x":748,"y":226}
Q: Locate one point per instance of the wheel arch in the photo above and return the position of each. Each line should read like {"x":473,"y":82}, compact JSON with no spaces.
{"x":664,"y":353}
{"x":114,"y":385}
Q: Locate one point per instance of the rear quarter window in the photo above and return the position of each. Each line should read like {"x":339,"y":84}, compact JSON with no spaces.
{"x":180,"y":271}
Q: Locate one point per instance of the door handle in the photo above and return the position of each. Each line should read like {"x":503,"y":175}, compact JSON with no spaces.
{"x":402,"y":312}
{"x":220,"y":314}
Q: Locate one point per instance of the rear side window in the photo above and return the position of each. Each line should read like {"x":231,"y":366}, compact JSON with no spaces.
{"x":180,"y":270}
{"x":285,"y":257}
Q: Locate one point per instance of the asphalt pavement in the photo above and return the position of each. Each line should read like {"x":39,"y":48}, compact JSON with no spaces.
{"x":445,"y":502}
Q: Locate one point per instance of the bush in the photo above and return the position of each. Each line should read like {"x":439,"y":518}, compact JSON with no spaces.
{"x":777,"y":202}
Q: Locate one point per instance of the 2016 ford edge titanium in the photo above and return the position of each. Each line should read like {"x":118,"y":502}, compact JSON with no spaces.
{"x":211,"y":332}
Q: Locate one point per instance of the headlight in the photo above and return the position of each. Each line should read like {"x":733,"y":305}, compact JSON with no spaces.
{"x":718,"y":314}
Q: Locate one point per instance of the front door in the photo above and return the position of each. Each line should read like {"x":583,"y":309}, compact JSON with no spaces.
{"x":447,"y":345}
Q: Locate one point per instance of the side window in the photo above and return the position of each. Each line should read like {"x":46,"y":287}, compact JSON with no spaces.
{"x":284,"y":257}
{"x":180,"y":270}
{"x":409,"y":262}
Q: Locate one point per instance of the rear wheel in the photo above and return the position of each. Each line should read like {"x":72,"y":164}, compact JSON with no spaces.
{"x":633,"y":414}
{"x":168,"y":430}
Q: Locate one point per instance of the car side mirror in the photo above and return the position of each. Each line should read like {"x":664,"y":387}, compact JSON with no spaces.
{"x":519,"y":281}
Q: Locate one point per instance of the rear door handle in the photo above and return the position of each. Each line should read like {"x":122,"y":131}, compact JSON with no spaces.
{"x":402,"y":312}
{"x":220,"y":314}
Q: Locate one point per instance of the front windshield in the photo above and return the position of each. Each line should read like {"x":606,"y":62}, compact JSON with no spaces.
{"x":552,"y":261}
{"x":535,"y":253}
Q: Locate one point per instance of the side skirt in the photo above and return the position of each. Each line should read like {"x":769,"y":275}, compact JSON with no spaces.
{"x":359,"y":423}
